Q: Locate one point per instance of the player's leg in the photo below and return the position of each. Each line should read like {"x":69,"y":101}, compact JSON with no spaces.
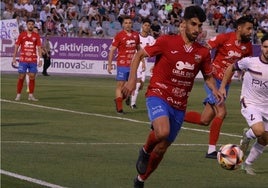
{"x":215,"y":129}
{"x":121,"y":78}
{"x":254,"y":118}
{"x":22,"y":72}
{"x":256,"y":150}
{"x":32,"y":76}
{"x":27,"y":79}
{"x":208,"y":113}
{"x":135,"y":95}
{"x":118,"y":96}
{"x":166,"y":128}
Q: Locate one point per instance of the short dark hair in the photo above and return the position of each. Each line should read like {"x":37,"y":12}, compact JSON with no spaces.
{"x":30,"y":20}
{"x":242,"y":20}
{"x":264,"y":38}
{"x":146,"y":20}
{"x":194,"y":12}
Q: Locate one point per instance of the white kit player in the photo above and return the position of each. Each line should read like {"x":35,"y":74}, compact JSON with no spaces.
{"x":254,"y":102}
{"x":145,"y":39}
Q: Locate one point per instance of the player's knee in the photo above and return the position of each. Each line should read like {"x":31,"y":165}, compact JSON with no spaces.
{"x":162,"y":135}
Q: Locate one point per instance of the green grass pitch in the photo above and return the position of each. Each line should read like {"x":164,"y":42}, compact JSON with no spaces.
{"x":72,"y":137}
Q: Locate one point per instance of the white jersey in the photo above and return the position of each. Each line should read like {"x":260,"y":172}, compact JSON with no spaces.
{"x":255,"y":82}
{"x":144,"y":41}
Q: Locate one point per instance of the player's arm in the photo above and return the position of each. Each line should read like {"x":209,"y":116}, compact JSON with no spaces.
{"x":130,"y":86}
{"x":39,"y":49}
{"x":210,"y":81}
{"x":15,"y":54}
{"x":229,"y":72}
{"x":110,"y":59}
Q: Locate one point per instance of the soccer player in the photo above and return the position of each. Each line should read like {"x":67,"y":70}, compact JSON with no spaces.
{"x":178,"y":60}
{"x":127,"y":42}
{"x":254,"y":102}
{"x":29,"y":42}
{"x":145,"y":39}
{"x":230,"y":47}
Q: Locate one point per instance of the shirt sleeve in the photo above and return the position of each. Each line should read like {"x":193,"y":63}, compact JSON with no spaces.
{"x":156,"y":48}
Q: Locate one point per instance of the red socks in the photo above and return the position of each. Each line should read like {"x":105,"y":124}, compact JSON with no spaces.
{"x":151,"y":142}
{"x":193,"y":117}
{"x":118,"y":103}
{"x":31,"y":86}
{"x":215,"y":129}
{"x":153,"y":163}
{"x":19,"y":85}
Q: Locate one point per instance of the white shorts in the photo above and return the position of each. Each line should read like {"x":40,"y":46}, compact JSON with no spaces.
{"x":140,"y":73}
{"x":254,"y":115}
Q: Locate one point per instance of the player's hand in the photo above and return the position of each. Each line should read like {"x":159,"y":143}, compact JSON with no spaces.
{"x":40,"y":63}
{"x":128,"y":88}
{"x":222,"y":91}
{"x":219,"y":96}
{"x":109,"y":68}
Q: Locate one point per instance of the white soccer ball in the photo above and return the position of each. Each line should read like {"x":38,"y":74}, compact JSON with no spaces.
{"x":230,"y":156}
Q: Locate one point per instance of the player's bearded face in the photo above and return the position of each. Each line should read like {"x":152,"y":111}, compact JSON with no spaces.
{"x":245,"y":38}
{"x":192,"y":36}
{"x":30,"y":26}
{"x":192,"y":29}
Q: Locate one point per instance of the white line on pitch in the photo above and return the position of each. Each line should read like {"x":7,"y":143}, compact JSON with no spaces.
{"x":105,"y":116}
{"x":32,"y":180}
{"x":87,"y":143}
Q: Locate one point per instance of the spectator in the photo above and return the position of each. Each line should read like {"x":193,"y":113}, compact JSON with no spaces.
{"x":38,"y":24}
{"x":62,"y":31}
{"x":9,"y":12}
{"x":72,"y":10}
{"x":174,"y":14}
{"x":162,"y":14}
{"x":230,"y":28}
{"x":93,"y":14}
{"x":176,"y":4}
{"x":216,"y":18}
{"x":85,"y":7}
{"x":55,"y":16}
{"x":144,"y":11}
{"x":156,"y":29}
{"x":70,"y":28}
{"x":159,"y":3}
{"x":28,"y":7}
{"x":264,"y":25}
{"x":50,"y":26}
{"x":99,"y":30}
{"x":107,"y":5}
{"x":168,"y":6}
{"x":18,"y":7}
{"x":43,"y":15}
{"x":165,"y":29}
{"x":83,"y":27}
{"x":124,"y":11}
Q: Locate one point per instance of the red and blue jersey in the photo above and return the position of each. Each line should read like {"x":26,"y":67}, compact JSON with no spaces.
{"x":176,"y":67}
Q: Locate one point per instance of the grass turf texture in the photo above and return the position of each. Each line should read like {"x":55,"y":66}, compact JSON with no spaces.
{"x":80,"y":141}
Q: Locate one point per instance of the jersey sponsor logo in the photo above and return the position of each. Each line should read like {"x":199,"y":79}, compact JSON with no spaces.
{"x":260,"y":83}
{"x":232,"y":53}
{"x":181,"y":65}
{"x":157,"y":109}
{"x":174,"y":51}
{"x":173,"y":101}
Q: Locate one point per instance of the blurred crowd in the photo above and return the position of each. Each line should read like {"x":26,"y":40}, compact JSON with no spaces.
{"x":102,"y":18}
{"x":222,"y":14}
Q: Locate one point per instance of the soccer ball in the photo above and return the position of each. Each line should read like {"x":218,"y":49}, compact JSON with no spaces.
{"x":230,"y":156}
